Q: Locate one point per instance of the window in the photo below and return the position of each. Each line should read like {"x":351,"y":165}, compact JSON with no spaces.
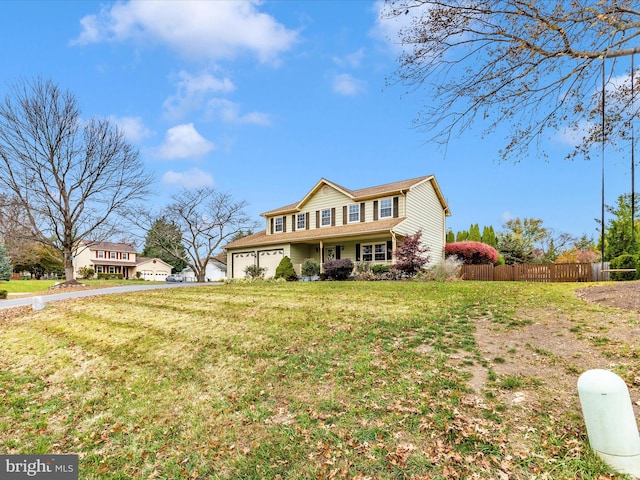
{"x":377,"y":252}
{"x":326,"y":217}
{"x":100,"y":254}
{"x":301,"y":223}
{"x":112,"y":269}
{"x":354,"y":213}
{"x":386,"y":208}
{"x":99,"y":269}
{"x":125,"y":256}
{"x":279,"y":225}
{"x":113,"y":255}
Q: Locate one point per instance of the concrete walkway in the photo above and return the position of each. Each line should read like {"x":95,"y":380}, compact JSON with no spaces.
{"x":73,"y":293}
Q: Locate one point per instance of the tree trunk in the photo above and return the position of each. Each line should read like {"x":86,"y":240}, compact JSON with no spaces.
{"x":68,"y":265}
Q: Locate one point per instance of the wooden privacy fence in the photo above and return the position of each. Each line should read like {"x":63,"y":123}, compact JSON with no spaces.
{"x":552,"y":272}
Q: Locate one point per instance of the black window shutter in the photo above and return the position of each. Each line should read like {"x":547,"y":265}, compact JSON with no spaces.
{"x":333,"y":217}
{"x":317,"y":218}
{"x":306,"y":221}
{"x":389,"y":249}
{"x":395,"y":207}
{"x":362,"y":212}
{"x":357,"y":252}
{"x":375,"y":209}
{"x":293,"y":222}
{"x":271,"y":228}
{"x":344,"y":215}
{"x":284,"y":224}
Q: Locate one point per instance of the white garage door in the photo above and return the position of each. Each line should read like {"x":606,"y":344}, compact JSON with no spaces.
{"x":240,"y":261}
{"x":270,"y":259}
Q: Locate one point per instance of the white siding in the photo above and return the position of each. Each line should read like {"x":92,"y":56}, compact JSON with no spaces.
{"x":424,"y":211}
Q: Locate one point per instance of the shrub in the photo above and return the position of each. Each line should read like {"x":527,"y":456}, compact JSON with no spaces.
{"x":254,"y":271}
{"x":3,"y":294}
{"x":285,"y":270}
{"x":310,"y":268}
{"x":338,"y":269}
{"x":110,"y":276}
{"x":410,"y":255}
{"x":624,"y":261}
{"x":472,"y":253}
{"x":446,"y":271}
{"x":86,"y":272}
{"x":380,"y":268}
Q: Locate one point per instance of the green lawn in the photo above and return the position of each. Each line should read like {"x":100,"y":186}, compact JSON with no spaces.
{"x":284,"y":380}
{"x":36,"y":286}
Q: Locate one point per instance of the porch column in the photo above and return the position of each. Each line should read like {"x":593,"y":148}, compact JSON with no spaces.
{"x":320,"y":252}
{"x":394,"y":245}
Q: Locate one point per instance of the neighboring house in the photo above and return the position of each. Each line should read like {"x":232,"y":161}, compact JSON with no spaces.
{"x":216,"y":270}
{"x":118,"y":258}
{"x":152,"y":269}
{"x":333,"y":222}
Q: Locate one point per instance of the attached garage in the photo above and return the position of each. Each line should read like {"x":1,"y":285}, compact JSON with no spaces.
{"x":270,"y":259}
{"x":240,"y":261}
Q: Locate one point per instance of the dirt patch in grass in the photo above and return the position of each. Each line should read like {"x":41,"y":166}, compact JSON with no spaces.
{"x":534,"y":367}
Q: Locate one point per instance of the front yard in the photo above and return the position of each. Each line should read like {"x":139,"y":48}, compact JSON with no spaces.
{"x":313,"y":380}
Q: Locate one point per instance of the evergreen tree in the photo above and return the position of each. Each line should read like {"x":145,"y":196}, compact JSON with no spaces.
{"x":462,"y":236}
{"x":474,"y":233}
{"x":5,"y":264}
{"x":489,"y":236}
{"x":618,"y":236}
{"x":450,"y":237}
{"x":164,"y":241}
{"x":285,"y":270}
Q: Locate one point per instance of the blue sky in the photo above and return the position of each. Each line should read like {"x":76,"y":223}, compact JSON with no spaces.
{"x":262,"y":99}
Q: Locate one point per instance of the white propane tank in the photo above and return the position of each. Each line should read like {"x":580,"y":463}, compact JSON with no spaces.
{"x":610,"y":421}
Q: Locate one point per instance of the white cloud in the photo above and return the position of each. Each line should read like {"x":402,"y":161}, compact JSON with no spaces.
{"x":352,"y":60}
{"x":132,"y":127}
{"x":345,"y":84}
{"x":388,"y":29}
{"x":196,"y":29}
{"x":229,"y":112}
{"x":506,"y":216}
{"x":184,"y":141}
{"x":192,"y":91}
{"x":194,"y":178}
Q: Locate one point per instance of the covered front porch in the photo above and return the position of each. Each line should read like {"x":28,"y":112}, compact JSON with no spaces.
{"x":375,"y":250}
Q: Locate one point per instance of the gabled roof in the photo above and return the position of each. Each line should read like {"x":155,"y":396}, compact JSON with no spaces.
{"x":362,"y":194}
{"x":140,"y":260}
{"x":317,"y":234}
{"x":108,"y":246}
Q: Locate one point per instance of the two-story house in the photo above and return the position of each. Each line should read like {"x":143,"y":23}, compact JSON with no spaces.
{"x":332,"y":222}
{"x":118,"y":258}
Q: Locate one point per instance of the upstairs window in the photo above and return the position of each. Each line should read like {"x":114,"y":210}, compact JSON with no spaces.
{"x":301,"y":222}
{"x":125,"y":256}
{"x":325,"y":215}
{"x":278,"y":225}
{"x":386,"y":208}
{"x":354,"y":213}
{"x":113,"y":255}
{"x":100,"y":254}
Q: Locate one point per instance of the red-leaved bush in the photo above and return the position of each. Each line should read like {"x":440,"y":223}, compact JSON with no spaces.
{"x":472,"y":253}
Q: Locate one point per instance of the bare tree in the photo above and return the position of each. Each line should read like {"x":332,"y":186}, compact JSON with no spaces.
{"x":205,"y":219}
{"x":71,"y":176}
{"x":532,"y":64}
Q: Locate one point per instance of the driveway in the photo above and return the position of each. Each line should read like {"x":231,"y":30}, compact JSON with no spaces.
{"x":67,"y":295}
